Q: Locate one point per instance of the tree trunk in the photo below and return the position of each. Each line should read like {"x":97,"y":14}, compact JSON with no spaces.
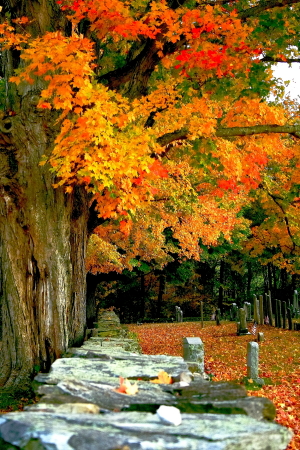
{"x":43,"y":231}
{"x":161,"y":290}
{"x":142,"y":297}
{"x":43,"y":236}
{"x":221,"y":288}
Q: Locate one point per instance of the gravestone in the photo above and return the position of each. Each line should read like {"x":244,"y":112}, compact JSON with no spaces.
{"x":247,"y":308}
{"x":260,"y":337}
{"x":289,"y":317}
{"x":261,"y":309}
{"x":193,"y":351}
{"x":252,"y":363}
{"x":179,"y":314}
{"x":276,"y":312}
{"x":243,"y":330}
{"x":295,"y":300}
{"x":283,"y":307}
{"x":256,"y":313}
{"x":233,"y":311}
{"x":279,"y":314}
{"x":269,"y":309}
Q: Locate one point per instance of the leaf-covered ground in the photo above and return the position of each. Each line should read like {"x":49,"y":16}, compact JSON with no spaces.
{"x":225,"y":359}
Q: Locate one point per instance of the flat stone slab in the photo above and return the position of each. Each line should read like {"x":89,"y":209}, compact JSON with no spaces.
{"x":139,"y":431}
{"x":207,"y":397}
{"x":134,"y":366}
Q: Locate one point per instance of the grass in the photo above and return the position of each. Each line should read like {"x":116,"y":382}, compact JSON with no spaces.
{"x":12,"y":399}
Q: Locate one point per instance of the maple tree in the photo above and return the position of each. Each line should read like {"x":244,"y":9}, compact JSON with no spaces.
{"x":142,"y":116}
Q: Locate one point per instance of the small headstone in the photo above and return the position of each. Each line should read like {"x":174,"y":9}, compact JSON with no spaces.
{"x":193,"y":351}
{"x":252,"y":363}
{"x":178,"y":314}
{"x":260,"y":337}
{"x":243,"y":330}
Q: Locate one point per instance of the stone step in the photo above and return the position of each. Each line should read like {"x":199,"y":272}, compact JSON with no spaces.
{"x":139,"y":431}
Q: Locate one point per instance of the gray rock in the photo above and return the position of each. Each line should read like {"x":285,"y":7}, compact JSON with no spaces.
{"x":204,"y":397}
{"x":108,"y":371}
{"x":140,"y":431}
{"x":65,"y":408}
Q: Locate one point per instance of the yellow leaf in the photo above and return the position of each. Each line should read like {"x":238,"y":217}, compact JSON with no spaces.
{"x":163,"y":378}
{"x":126,"y":387}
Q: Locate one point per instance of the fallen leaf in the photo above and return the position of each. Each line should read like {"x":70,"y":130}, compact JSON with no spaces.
{"x":162,"y":378}
{"x":126,"y":387}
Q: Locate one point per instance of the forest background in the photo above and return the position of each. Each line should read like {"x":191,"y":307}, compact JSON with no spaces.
{"x":142,"y":164}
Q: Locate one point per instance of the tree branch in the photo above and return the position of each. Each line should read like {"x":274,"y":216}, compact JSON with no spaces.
{"x":278,"y":60}
{"x":263,"y":6}
{"x":294,"y":130}
{"x":182,"y":134}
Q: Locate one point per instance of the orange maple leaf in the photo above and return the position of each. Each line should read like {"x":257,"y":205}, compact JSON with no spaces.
{"x":162,"y":378}
{"x":126,"y":387}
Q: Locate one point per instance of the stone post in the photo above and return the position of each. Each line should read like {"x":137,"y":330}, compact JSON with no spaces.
{"x":295,"y":300}
{"x":180,"y":315}
{"x":260,"y":337}
{"x":252,"y":363}
{"x":289,"y":317}
{"x":193,"y":352}
{"x":243,"y":330}
{"x":276,"y":313}
{"x":269,"y":309}
{"x":279,"y":313}
{"x":283,"y":314}
{"x":256,"y":314}
{"x":261,"y":310}
{"x":247,"y":308}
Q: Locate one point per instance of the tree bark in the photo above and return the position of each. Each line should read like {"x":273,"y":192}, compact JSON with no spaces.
{"x":43,"y":231}
{"x":43,"y":237}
